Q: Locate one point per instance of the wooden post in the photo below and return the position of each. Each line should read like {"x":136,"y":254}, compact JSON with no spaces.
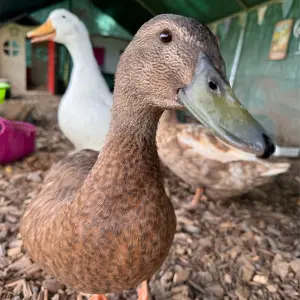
{"x":51,"y":67}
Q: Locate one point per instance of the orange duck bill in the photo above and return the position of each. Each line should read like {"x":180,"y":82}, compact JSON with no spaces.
{"x":45,"y":32}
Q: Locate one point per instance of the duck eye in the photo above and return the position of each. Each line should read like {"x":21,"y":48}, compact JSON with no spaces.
{"x":213,"y":86}
{"x":63,"y":16}
{"x":166,"y":36}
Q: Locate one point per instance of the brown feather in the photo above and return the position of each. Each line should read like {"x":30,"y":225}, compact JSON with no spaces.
{"x":202,"y":160}
{"x":96,"y":225}
{"x":104,"y":224}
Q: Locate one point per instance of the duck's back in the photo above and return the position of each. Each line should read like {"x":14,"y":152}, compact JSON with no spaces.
{"x":196,"y":156}
{"x":42,"y":224}
{"x":123,"y":230}
{"x":72,"y":171}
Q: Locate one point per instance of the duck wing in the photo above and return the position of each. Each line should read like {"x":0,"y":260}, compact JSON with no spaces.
{"x":202,"y":160}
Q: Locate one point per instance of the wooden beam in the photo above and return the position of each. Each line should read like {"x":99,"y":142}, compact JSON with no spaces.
{"x":12,"y":20}
{"x":146,"y":7}
{"x":270,"y":2}
{"x":51,"y":67}
{"x":242,"y":4}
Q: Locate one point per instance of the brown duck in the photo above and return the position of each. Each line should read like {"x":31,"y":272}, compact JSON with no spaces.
{"x":213,"y":168}
{"x":103,"y":223}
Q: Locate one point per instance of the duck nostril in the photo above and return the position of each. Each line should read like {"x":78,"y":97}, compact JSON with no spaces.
{"x":212,"y":86}
{"x":269,"y":146}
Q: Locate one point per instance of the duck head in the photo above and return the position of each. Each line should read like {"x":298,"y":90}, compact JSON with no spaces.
{"x":61,"y":27}
{"x":174,"y":62}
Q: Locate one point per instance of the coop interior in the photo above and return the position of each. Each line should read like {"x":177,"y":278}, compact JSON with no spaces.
{"x":237,"y":230}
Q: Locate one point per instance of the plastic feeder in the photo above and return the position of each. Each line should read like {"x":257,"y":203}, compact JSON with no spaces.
{"x":17,"y":140}
{"x":3,"y":88}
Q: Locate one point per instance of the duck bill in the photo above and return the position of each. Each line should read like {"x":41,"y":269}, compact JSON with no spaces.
{"x":45,"y":32}
{"x":211,"y":100}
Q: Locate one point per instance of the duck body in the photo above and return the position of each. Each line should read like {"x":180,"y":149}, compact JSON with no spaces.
{"x":201,"y":159}
{"x":117,"y":237}
{"x":103,"y":222}
{"x":84,"y":110}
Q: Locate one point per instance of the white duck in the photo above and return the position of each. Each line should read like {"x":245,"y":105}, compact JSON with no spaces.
{"x":84,"y":111}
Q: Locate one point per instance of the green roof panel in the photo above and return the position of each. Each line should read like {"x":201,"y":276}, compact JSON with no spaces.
{"x":205,"y":11}
{"x":250,"y":3}
{"x":131,"y":14}
{"x":128,"y":13}
{"x":10,"y":9}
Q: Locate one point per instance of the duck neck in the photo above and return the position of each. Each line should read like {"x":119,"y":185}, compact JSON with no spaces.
{"x":129,"y":158}
{"x":82,"y":54}
{"x":135,"y":128}
{"x":86,"y":69}
{"x":139,"y":126}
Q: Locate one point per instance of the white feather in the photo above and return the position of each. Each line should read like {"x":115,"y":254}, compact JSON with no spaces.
{"x":84,"y":111}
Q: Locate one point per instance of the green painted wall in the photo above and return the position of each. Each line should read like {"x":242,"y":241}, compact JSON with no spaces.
{"x":269,"y":89}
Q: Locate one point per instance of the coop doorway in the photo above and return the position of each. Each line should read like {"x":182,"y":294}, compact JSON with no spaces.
{"x":40,"y":69}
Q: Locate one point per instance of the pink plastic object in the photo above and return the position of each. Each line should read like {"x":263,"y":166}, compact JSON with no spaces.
{"x":17,"y":140}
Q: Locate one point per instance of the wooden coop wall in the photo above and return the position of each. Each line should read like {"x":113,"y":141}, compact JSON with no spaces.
{"x":113,"y":49}
{"x":13,"y":56}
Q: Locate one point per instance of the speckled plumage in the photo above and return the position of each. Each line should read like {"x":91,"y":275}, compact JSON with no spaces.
{"x":105,"y":224}
{"x":202,"y":160}
{"x":112,"y":234}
